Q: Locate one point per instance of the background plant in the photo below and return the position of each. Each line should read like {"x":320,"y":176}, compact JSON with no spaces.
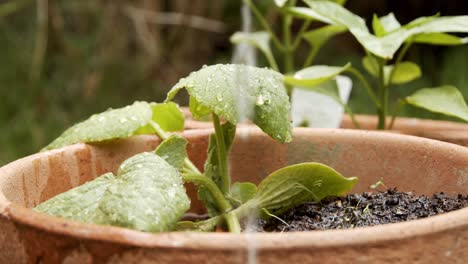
{"x":380,"y":48}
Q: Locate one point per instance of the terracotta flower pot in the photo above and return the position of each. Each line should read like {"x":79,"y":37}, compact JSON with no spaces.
{"x":446,"y":131}
{"x":409,"y":163}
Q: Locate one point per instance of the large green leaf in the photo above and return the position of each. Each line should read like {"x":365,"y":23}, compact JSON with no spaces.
{"x":173,"y":150}
{"x":147,"y":195}
{"x":314,"y":75}
{"x":212,"y":167}
{"x":236,"y":92}
{"x":260,"y":40}
{"x":446,"y":100}
{"x":122,"y":123}
{"x":320,"y":36}
{"x":296,"y":184}
{"x":80,"y":203}
{"x":114,"y":123}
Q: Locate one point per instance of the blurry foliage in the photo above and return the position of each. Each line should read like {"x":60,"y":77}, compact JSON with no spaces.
{"x":102,"y":53}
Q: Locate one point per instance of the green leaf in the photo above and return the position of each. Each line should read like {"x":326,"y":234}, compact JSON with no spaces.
{"x":241,"y":192}
{"x":173,"y":150}
{"x":314,"y":75}
{"x":122,"y":123}
{"x":320,"y":36}
{"x":377,"y":26}
{"x":212,"y":168}
{"x":389,"y":23}
{"x":235,"y":92}
{"x":260,"y":40}
{"x":296,"y":184}
{"x":112,"y":124}
{"x":199,"y":112}
{"x":371,"y":65}
{"x":200,"y":226}
{"x":406,"y":71}
{"x":445,"y":99}
{"x":280,"y":3}
{"x":439,"y":39}
{"x":168,"y":116}
{"x":308,"y":14}
{"x":80,"y":203}
{"x":147,"y":195}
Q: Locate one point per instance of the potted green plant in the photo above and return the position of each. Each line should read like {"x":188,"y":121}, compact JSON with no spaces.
{"x":145,"y":191}
{"x":381,"y":47}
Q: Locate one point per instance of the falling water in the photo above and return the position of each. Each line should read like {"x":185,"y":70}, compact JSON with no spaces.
{"x":245,"y":54}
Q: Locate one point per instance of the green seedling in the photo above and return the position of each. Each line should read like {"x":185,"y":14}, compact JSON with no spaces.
{"x":390,"y":42}
{"x":377,"y":184}
{"x":147,"y":193}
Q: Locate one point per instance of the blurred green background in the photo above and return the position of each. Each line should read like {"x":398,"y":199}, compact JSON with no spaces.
{"x":61,"y":61}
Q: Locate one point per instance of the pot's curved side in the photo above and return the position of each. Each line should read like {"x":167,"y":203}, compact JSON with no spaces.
{"x":447,"y":131}
{"x":407,"y":162}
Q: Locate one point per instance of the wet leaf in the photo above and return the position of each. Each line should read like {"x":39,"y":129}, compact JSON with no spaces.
{"x":260,"y":40}
{"x":147,"y":195}
{"x":320,"y":36}
{"x":296,"y":184}
{"x":173,"y":150}
{"x":199,"y":112}
{"x":314,"y":75}
{"x":446,"y":100}
{"x":112,"y":124}
{"x":241,"y":192}
{"x":122,"y":123}
{"x":212,"y":168}
{"x":236,"y":92}
{"x":80,"y":203}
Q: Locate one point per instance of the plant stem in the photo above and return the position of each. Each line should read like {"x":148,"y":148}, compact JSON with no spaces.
{"x":222,"y":155}
{"x":366,"y":84}
{"x":298,"y":39}
{"x":310,"y":59}
{"x":288,"y":51}
{"x":351,"y":115}
{"x":397,"y":108}
{"x":199,"y":179}
{"x":264,"y":24}
{"x":271,"y":60}
{"x":188,"y":164}
{"x":233,"y":223}
{"x":383,"y":95}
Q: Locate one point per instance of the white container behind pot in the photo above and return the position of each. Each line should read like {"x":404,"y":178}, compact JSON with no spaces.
{"x":318,"y":110}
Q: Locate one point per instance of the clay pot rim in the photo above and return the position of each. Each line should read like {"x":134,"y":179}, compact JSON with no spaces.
{"x":215,"y":241}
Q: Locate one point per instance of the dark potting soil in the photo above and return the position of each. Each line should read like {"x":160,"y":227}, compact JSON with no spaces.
{"x":366,"y":209}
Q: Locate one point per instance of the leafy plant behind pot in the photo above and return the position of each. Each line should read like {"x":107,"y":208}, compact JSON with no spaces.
{"x":382,"y":47}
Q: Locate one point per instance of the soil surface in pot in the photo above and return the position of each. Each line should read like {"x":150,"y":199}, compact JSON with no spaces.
{"x":366,"y":209}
